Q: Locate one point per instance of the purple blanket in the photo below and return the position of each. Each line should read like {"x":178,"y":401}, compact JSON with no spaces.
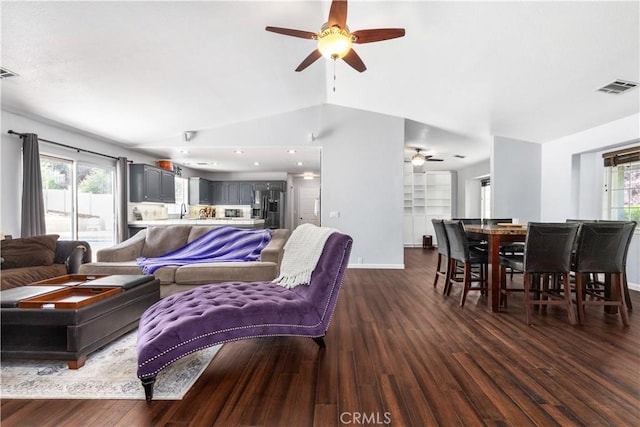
{"x":222,"y":244}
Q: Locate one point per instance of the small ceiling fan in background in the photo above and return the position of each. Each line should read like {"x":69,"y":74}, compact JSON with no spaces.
{"x":335,"y":40}
{"x":419,"y":159}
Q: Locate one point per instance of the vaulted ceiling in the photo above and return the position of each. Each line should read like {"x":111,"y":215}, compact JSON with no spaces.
{"x":137,"y":72}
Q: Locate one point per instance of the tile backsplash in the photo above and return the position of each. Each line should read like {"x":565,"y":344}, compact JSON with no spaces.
{"x":156,"y":211}
{"x":149,"y":211}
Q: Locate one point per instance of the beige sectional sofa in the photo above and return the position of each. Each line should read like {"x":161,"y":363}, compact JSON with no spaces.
{"x":158,"y":240}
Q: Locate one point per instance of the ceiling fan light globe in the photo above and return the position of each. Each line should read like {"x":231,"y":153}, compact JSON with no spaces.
{"x":417,"y":160}
{"x":334,"y":42}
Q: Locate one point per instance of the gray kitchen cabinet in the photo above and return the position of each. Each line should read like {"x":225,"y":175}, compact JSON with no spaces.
{"x":200,"y":191}
{"x":168,"y":186}
{"x":218,"y":193}
{"x":151,"y":184}
{"x":234,"y":192}
{"x":246,"y":193}
{"x":239,"y":193}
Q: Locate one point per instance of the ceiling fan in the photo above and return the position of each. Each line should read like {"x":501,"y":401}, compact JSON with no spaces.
{"x":335,"y":40}
{"x":419,"y":159}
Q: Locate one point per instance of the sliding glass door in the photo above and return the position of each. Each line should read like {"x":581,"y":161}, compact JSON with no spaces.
{"x":79,"y":201}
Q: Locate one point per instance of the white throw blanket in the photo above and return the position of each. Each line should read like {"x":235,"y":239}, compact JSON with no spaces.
{"x":301,"y":254}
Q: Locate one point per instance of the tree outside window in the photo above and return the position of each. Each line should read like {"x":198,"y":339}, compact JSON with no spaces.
{"x":624,"y":192}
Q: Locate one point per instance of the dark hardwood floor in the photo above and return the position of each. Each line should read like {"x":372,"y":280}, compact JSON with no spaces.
{"x":400,"y":353}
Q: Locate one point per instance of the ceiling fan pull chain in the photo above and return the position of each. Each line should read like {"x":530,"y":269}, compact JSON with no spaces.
{"x":334,"y":74}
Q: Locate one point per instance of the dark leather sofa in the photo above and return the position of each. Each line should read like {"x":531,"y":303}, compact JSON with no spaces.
{"x":69,"y":255}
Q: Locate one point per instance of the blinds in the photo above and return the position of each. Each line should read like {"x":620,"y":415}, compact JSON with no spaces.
{"x":620,"y":157}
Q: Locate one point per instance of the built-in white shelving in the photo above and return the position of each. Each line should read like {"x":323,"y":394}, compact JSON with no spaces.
{"x":427,"y":195}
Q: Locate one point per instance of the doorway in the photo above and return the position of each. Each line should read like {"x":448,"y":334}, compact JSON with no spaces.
{"x":308,"y":206}
{"x":79,"y":201}
{"x":485,"y":198}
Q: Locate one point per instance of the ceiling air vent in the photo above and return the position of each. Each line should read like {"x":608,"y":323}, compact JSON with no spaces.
{"x":617,"y":87}
{"x":5,"y":73}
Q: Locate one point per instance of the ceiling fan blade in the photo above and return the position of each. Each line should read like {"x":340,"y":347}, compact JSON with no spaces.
{"x":293,"y":33}
{"x":431,"y":159}
{"x":354,"y":61}
{"x":313,"y":57}
{"x":377,"y":34}
{"x":338,"y":14}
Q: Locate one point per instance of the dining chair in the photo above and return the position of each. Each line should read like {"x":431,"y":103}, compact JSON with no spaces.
{"x":602,"y":248}
{"x":547,"y":258}
{"x":444,"y":257}
{"x":461,"y":252}
{"x":474,"y":243}
{"x":625,"y":283}
{"x":468,"y":221}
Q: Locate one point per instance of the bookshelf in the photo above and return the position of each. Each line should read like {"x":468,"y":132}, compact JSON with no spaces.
{"x":427,"y":195}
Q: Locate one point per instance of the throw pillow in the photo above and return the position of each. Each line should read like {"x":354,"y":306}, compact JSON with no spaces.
{"x":29,"y":251}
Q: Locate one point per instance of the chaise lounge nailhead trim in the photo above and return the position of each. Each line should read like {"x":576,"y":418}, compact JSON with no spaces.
{"x":213,"y":314}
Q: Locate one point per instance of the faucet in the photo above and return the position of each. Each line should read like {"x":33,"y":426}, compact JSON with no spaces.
{"x":183,"y":210}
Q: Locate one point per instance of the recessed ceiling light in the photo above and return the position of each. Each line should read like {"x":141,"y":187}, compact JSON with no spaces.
{"x":256,"y":163}
{"x":299,"y":163}
{"x":239,"y":152}
{"x":184,"y":151}
{"x":291,"y":151}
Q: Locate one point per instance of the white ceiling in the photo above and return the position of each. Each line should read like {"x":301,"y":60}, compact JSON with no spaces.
{"x":137,"y":72}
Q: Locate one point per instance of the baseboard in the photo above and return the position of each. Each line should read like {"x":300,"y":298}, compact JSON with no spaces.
{"x":634,"y":286}
{"x":378,"y":266}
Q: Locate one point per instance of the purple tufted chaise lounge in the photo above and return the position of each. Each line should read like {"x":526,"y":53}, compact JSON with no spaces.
{"x":217,"y":313}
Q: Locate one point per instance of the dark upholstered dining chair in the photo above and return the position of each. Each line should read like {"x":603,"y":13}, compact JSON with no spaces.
{"x":602,"y":248}
{"x":460,"y":251}
{"x":474,"y":243}
{"x":625,"y":284}
{"x":444,"y":257}
{"x":469,"y":221}
{"x":547,"y":254}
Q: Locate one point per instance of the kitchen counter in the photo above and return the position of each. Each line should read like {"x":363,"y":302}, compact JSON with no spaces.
{"x":234,"y":222}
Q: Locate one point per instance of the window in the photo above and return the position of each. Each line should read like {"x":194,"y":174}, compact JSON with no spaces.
{"x":79,"y":201}
{"x":182,"y":188}
{"x":622,"y":201}
{"x":622,"y":184}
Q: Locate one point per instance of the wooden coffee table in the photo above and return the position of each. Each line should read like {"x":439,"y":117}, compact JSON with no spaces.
{"x":68,"y":317}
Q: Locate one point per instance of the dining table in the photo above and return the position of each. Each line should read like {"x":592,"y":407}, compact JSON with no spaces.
{"x":496,"y":235}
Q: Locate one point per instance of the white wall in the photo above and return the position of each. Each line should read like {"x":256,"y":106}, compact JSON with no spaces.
{"x":469,"y":189}
{"x":362,"y":164}
{"x":515,"y":179}
{"x":570,"y":184}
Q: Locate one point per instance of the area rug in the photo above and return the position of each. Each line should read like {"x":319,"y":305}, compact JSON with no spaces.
{"x":109,"y":373}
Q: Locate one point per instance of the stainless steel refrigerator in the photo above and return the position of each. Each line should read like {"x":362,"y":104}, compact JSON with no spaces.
{"x":269,"y":205}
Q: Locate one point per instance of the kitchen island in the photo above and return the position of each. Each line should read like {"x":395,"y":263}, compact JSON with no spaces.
{"x":135,"y":226}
